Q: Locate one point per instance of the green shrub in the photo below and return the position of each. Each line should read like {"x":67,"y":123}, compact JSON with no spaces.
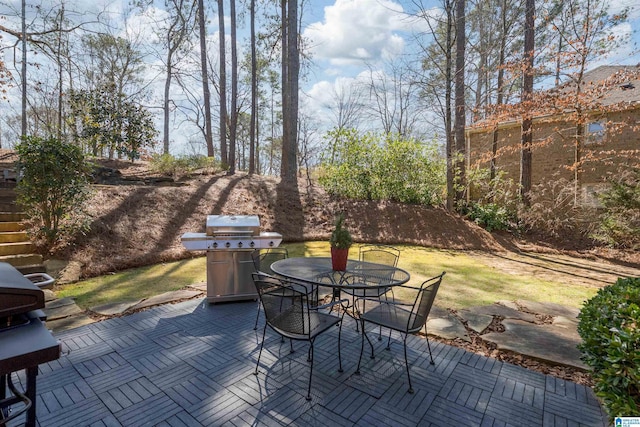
{"x":619,"y":223}
{"x":179,"y":166}
{"x":382,"y":167}
{"x":53,"y":189}
{"x":610,"y":330}
{"x":492,"y":216}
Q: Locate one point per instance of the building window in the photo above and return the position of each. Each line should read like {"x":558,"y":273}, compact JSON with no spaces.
{"x":595,"y":132}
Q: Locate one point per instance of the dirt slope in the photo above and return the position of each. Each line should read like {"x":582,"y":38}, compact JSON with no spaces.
{"x":139,"y":220}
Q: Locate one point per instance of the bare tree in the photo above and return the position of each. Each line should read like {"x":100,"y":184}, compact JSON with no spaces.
{"x":222,"y":86}
{"x":460,"y":117}
{"x":346,"y":104}
{"x":290,"y":71}
{"x":437,"y":84}
{"x":527,"y":93}
{"x":253,"y":126}
{"x":205,"y":78}
{"x":393,"y":93}
{"x":233,"y":123}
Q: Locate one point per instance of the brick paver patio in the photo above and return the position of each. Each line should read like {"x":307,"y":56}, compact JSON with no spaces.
{"x":191,"y":364}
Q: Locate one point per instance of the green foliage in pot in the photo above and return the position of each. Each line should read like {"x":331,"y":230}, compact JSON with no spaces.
{"x":610,"y":330}
{"x":340,"y":237}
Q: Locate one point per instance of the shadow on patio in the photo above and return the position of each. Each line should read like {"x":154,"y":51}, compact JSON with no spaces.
{"x":191,"y":364}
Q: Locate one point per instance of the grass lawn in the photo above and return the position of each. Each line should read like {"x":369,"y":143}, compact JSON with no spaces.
{"x":468,"y":282}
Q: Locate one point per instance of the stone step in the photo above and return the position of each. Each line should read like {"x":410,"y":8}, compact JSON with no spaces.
{"x":13,"y":237}
{"x":11,"y":216}
{"x":32,"y":268}
{"x":23,"y":260}
{"x":11,"y":226}
{"x":18,"y":248}
{"x":9,"y":206}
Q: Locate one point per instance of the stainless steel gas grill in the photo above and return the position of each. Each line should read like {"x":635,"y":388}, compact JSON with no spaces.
{"x":230,"y":241}
{"x":25,"y":343}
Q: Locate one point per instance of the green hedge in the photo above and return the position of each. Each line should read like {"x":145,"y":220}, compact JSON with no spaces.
{"x":610,"y":330}
{"x":374,"y":166}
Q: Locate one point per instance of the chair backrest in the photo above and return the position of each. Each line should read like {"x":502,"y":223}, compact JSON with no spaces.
{"x":380,"y":254}
{"x":423,"y":303}
{"x":262,"y":260}
{"x":285,"y":308}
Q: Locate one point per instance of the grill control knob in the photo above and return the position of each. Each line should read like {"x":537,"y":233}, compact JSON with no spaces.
{"x":252,"y":244}
{"x":239,"y":244}
{"x":271,"y":243}
{"x":227,"y":245}
{"x":215,"y":245}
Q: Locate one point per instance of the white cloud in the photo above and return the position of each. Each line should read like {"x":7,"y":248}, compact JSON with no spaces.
{"x":146,"y":26}
{"x":620,"y":5}
{"x":355,"y":31}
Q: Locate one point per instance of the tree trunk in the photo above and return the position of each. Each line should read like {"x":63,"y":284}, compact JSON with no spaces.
{"x":24,"y":69}
{"x":254,"y":93}
{"x":205,"y":78}
{"x":448,"y":128}
{"x":460,"y":113}
{"x":500,"y":99}
{"x":234,"y":91}
{"x":527,"y":92}
{"x":165,"y":107}
{"x":224,"y":159}
{"x":293,"y":68}
{"x":285,"y":88}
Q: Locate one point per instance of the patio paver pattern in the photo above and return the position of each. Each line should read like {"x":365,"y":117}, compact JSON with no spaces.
{"x":192,"y":364}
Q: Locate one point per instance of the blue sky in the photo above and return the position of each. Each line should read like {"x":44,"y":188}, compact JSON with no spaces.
{"x":347,"y":38}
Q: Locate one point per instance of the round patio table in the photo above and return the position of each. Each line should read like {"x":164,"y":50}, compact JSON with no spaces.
{"x":358,"y":274}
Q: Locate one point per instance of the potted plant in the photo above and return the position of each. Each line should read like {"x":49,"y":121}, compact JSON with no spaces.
{"x":340,"y":242}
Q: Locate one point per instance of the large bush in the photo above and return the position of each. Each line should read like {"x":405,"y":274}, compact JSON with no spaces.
{"x":619,"y":223}
{"x":610,"y":330}
{"x":382,"y":167}
{"x":53,"y":188}
{"x":179,"y":166}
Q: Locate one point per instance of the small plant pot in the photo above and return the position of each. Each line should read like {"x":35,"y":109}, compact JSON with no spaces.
{"x":339,"y":259}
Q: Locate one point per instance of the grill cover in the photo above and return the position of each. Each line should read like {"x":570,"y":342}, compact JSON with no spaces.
{"x":230,"y":225}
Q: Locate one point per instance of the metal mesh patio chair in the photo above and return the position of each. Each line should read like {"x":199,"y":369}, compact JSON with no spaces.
{"x":289,"y":313}
{"x":262,"y":261}
{"x":379,"y":254}
{"x":405,"y":318}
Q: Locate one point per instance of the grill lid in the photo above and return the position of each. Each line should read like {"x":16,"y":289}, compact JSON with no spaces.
{"x":233,"y":225}
{"x":17,"y":293}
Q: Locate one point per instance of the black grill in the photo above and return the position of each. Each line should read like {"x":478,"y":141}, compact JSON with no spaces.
{"x":25,"y":343}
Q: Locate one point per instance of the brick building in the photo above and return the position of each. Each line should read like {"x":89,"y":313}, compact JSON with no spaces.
{"x":610,"y":141}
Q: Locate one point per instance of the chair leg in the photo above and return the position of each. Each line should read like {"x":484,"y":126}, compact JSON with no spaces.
{"x":428,"y":345}
{"x":255,"y":327}
{"x":361,"y":349}
{"x":364,"y":333}
{"x":355,"y":309}
{"x":389,"y":341}
{"x":264,"y":331}
{"x":310,"y":370}
{"x":339,"y":352}
{"x":406,"y":363}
